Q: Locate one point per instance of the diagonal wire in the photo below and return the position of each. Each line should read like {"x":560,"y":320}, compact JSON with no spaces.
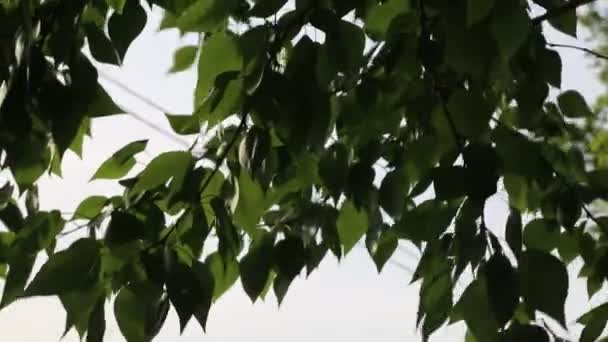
{"x":150,"y":103}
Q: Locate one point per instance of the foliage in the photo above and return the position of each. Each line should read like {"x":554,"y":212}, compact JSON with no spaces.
{"x":398,"y":125}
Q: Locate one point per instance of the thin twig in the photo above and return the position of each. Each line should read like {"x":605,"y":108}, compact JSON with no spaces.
{"x":557,"y":11}
{"x":73,"y":230}
{"x":580,"y":48}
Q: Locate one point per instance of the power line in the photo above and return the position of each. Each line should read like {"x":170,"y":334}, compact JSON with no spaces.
{"x":150,"y":103}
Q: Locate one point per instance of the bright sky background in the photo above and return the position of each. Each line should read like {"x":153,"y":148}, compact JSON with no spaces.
{"x":340,"y":301}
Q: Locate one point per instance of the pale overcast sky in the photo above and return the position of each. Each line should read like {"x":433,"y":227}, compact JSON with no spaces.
{"x":346,"y":301}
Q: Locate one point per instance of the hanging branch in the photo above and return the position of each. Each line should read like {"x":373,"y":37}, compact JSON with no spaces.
{"x":580,"y":48}
{"x":557,"y":11}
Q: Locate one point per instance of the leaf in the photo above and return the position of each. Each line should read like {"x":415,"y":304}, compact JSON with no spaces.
{"x":266,"y":8}
{"x":169,"y":165}
{"x":90,"y":207}
{"x":230,"y":243}
{"x":538,"y":268}
{"x":207,"y":282}
{"x":470,"y":113}
{"x":79,"y":306}
{"x":449,"y":182}
{"x":566,"y":23}
{"x":225,"y":273}
{"x":125,"y":26}
{"x":289,"y":260}
{"x":513,"y":232}
{"x":510,"y":28}
{"x":502,"y":288}
{"x":251,"y":203}
{"x":379,"y":17}
{"x":117,"y":5}
{"x":183,"y":58}
{"x":384,"y":248}
{"x":352,"y":225}
{"x":475,"y":307}
{"x":133,"y":307}
{"x":188,"y":294}
{"x":220,"y":53}
{"x":393,"y":192}
{"x":550,"y":66}
{"x":97,"y":323}
{"x":541,"y":234}
{"x":333,"y":168}
{"x":184,"y":124}
{"x":426,"y":221}
{"x":206,"y":15}
{"x":123,"y":228}
{"x":573,"y":105}
{"x":347,"y":41}
{"x":81,"y":261}
{"x":18,"y":273}
{"x":435,"y":302}
{"x":256,"y":265}
{"x":121,"y":162}
{"x":517,"y":333}
{"x":477,"y":10}
{"x":100,"y":45}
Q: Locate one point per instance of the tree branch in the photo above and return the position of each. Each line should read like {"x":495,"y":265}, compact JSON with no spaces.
{"x":557,"y":11}
{"x":580,"y":48}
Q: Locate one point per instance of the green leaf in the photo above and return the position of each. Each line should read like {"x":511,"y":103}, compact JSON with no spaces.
{"x":537,"y":269}
{"x":125,"y":26}
{"x":513,"y":231}
{"x":18,"y":273}
{"x":352,"y":225}
{"x":169,"y":165}
{"x":393,"y":192}
{"x":220,"y":53}
{"x":230,"y":243}
{"x":347,"y":41}
{"x":449,"y":182}
{"x":39,"y":232}
{"x":183,"y":58}
{"x":102,"y":105}
{"x":426,"y":221}
{"x":256,"y":265}
{"x":477,"y":10}
{"x":97,"y":323}
{"x":123,"y":228}
{"x":79,"y":306}
{"x":81,"y":261}
{"x":475,"y":307}
{"x":266,"y":8}
{"x":121,"y":162}
{"x":510,"y":27}
{"x":184,"y":124}
{"x":566,"y":23}
{"x":333,"y":168}
{"x":383,"y":249}
{"x":188,"y":294}
{"x":90,"y":207}
{"x":520,"y":333}
{"x":251,"y":203}
{"x":117,"y":5}
{"x":435,"y":302}
{"x":100,"y":45}
{"x":206,"y":15}
{"x":225,"y":273}
{"x":289,"y":259}
{"x":502,"y":288}
{"x":541,"y":234}
{"x":470,"y":113}
{"x":135,"y":307}
{"x":379,"y":17}
{"x":550,"y":66}
{"x":573,"y":105}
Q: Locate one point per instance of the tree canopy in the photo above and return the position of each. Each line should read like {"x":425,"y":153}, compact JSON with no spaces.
{"x":398,"y":123}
